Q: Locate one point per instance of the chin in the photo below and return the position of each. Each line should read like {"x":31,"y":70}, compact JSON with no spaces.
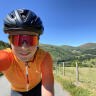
{"x":23,"y":59}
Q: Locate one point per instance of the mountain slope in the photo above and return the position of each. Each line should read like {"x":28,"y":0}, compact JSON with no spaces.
{"x":88,"y":46}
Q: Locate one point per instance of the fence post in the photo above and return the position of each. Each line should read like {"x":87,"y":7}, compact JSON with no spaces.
{"x":77,"y":72}
{"x":59,"y":68}
{"x":63,"y":69}
{"x":56,"y":67}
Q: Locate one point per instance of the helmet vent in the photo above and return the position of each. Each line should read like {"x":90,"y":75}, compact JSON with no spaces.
{"x":11,"y":15}
{"x":23,"y":16}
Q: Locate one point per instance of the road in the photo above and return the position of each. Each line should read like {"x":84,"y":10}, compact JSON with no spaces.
{"x":5,"y":88}
{"x":59,"y":91}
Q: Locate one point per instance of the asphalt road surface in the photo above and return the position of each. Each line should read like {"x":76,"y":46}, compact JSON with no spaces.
{"x":5,"y":88}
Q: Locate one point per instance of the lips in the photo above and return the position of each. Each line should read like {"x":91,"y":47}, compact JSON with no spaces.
{"x":24,"y":54}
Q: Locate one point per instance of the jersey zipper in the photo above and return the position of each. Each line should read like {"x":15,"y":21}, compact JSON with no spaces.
{"x":27,"y":76}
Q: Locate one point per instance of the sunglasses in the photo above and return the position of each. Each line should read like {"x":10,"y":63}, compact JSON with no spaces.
{"x":18,"y":40}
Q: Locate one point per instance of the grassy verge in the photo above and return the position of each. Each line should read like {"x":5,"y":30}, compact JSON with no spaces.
{"x":87,"y":77}
{"x":70,"y":87}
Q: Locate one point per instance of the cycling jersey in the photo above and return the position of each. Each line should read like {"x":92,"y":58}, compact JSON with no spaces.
{"x":15,"y":70}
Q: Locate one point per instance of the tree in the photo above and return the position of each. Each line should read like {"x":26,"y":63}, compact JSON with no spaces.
{"x":73,"y":64}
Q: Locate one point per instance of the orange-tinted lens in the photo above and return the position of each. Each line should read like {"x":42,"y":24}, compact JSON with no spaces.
{"x":18,"y":40}
{"x":33,"y":41}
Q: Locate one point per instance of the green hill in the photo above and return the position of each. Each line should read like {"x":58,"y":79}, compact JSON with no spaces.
{"x":69,"y":53}
{"x":66,"y":53}
{"x":88,"y":46}
{"x":3,"y":45}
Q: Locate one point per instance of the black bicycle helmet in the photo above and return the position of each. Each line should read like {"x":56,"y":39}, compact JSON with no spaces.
{"x":23,"y":19}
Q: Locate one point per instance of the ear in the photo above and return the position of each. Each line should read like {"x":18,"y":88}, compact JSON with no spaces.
{"x":9,"y":41}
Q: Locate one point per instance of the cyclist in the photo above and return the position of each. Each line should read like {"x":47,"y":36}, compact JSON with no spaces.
{"x":27,"y":67}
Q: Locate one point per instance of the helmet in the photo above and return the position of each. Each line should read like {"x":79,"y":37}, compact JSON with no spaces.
{"x":23,"y":19}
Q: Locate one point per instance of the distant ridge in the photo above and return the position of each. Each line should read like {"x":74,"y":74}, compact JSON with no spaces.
{"x":88,"y":46}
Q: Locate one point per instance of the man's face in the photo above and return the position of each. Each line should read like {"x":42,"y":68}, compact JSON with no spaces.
{"x":24,"y":52}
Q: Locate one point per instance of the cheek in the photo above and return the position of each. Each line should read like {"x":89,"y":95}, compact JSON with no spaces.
{"x":14,"y":48}
{"x":33,"y":49}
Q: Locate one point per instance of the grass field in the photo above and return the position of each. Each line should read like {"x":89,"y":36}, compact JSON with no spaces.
{"x":87,"y":78}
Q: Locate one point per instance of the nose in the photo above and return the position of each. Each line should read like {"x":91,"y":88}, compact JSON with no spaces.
{"x":25,"y":45}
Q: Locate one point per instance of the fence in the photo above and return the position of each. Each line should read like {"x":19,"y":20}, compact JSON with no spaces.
{"x":61,"y":66}
{"x":77,"y":74}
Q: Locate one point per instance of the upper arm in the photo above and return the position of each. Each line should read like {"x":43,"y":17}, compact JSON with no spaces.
{"x":5,"y":60}
{"x":47,"y":70}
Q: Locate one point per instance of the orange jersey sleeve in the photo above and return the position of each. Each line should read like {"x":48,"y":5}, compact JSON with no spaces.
{"x":5,"y":60}
{"x":47,"y":70}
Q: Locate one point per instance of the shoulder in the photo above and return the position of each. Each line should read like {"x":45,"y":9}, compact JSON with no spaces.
{"x":40,"y":53}
{"x":9,"y":53}
{"x":6,"y":59}
{"x":47,"y":60}
{"x":39,"y":50}
{"x":43,"y":52}
{"x":8,"y":50}
{"x":43,"y":56}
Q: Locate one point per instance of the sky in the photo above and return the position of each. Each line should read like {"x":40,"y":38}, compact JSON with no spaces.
{"x":66,"y":22}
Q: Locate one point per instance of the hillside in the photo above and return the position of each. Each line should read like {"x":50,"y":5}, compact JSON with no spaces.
{"x":61,"y":53}
{"x":66,"y":53}
{"x":3,"y":45}
{"x":70,"y":53}
{"x":88,"y":46}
